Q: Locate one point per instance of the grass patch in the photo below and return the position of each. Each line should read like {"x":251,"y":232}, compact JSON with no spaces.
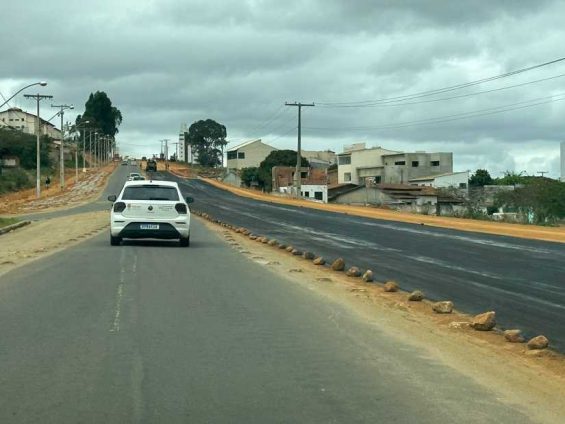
{"x":4,"y":222}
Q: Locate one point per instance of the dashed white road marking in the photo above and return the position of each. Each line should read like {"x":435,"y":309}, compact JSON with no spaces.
{"x":120,"y":291}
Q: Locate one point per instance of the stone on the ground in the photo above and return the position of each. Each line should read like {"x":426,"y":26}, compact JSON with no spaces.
{"x":443,"y":307}
{"x":368,"y":276}
{"x":252,"y":236}
{"x":319,"y":261}
{"x":289,"y":249}
{"x":282,"y":246}
{"x":309,"y":255}
{"x":390,"y":286}
{"x":273,"y":242}
{"x":484,"y":322}
{"x":459,"y":324}
{"x":296,"y":252}
{"x":353,"y":272}
{"x":338,"y":264}
{"x":416,"y":296}
{"x":538,"y":342}
{"x":265,"y":240}
{"x":514,"y":336}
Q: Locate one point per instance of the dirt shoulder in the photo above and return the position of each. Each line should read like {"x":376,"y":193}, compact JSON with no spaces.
{"x":43,"y":238}
{"x":534,"y":381}
{"x":88,"y":187}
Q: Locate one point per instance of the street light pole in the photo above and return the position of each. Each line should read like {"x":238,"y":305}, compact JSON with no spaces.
{"x":38,"y":98}
{"x":90,"y":147}
{"x":83,"y":145}
{"x":41,"y":83}
{"x":61,"y":149}
{"x":297,"y":173}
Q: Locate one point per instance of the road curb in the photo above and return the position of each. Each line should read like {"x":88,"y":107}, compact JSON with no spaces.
{"x":389,"y":287}
{"x":13,"y":227}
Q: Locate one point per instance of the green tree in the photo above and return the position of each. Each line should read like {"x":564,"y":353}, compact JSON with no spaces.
{"x":100,"y":113}
{"x":277,"y":158}
{"x":480,"y":178}
{"x":543,"y":197}
{"x":24,"y":146}
{"x":512,"y":178}
{"x":250,"y":176}
{"x":208,"y":139}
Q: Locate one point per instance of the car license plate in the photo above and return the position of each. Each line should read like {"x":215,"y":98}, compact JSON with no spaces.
{"x":148,"y":226}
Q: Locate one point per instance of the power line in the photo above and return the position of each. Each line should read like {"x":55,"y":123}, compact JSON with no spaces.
{"x":396,"y":104}
{"x":445,"y":89}
{"x":455,"y":117}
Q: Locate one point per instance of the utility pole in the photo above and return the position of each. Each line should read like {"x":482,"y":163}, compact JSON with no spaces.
{"x":61,"y":152}
{"x":543,"y":172}
{"x":38,"y":98}
{"x":166,"y":142}
{"x":297,"y":173}
{"x":176,"y":150}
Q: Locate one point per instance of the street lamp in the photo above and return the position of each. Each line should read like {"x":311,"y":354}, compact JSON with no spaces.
{"x":41,"y":83}
{"x":82,"y":124}
{"x":61,"y":155}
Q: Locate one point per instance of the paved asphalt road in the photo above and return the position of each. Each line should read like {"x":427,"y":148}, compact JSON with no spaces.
{"x":149,"y":332}
{"x":522,"y":280}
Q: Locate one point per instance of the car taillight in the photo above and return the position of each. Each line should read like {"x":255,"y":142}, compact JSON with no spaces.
{"x":181,"y":208}
{"x":119,"y":206}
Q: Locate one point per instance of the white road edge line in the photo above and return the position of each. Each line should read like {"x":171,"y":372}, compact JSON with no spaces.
{"x":119,"y":294}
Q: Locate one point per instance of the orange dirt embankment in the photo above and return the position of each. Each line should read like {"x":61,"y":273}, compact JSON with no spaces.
{"x":88,"y":186}
{"x":534,"y":232}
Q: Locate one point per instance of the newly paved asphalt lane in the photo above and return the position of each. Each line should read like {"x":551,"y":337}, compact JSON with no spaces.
{"x":522,"y":280}
{"x":149,"y":332}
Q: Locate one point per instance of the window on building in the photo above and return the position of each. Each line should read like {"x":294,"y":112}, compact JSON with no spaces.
{"x":462,"y":185}
{"x":435,"y":163}
{"x":318,"y":195}
{"x":232,"y":155}
{"x":415,"y":163}
{"x":241,"y":155}
{"x":306,"y":193}
{"x":347,"y":176}
{"x":400,"y":162}
{"x":304,"y":174}
{"x":344,"y":160}
{"x":377,"y":179}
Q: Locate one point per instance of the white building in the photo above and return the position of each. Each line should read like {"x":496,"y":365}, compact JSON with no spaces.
{"x":458,"y":180}
{"x":248,"y":154}
{"x":357,"y":163}
{"x":563,"y":161}
{"x":20,"y":120}
{"x":315,"y":192}
{"x":184,"y":150}
{"x":377,"y":165}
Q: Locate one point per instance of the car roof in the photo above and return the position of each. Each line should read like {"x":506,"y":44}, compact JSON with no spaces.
{"x":151,"y":182}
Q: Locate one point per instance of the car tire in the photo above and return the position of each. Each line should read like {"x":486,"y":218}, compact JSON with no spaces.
{"x":185,"y":242}
{"x":115,"y":241}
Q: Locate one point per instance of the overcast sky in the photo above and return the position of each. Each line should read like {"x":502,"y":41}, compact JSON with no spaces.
{"x":166,"y":62}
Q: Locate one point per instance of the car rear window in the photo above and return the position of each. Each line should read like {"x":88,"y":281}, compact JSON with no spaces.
{"x":150,"y":192}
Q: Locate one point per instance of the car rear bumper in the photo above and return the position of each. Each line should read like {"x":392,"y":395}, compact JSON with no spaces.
{"x":135,"y":230}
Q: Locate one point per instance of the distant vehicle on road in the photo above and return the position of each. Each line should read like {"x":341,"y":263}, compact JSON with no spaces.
{"x":150,"y":210}
{"x":133,"y":175}
{"x":124,"y":162}
{"x":151,"y":166}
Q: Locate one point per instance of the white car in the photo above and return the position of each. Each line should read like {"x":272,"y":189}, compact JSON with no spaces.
{"x":134,"y":176}
{"x":150,"y":209}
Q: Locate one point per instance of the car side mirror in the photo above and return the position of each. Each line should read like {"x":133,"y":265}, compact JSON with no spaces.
{"x":112,"y":198}
{"x":189,"y":199}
